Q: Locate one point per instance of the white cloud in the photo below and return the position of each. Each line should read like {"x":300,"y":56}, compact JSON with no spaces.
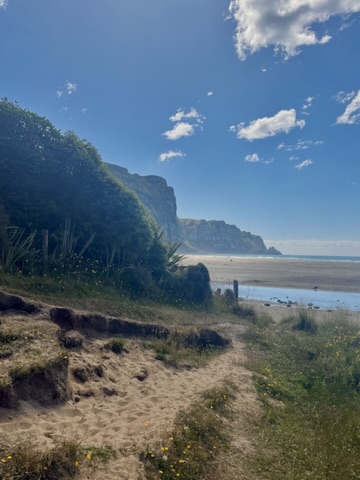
{"x":287,"y":25}
{"x":307,"y":105}
{"x":3,"y":3}
{"x":192,"y":114}
{"x":184,"y":129}
{"x":171,"y":154}
{"x":210,"y":94}
{"x":283,"y":121}
{"x":181,"y":129}
{"x":300,"y":145}
{"x":83,"y":110}
{"x":305,"y":163}
{"x":59,"y":93}
{"x":351,"y":114}
{"x":343,"y":97}
{"x":70,"y":87}
{"x":253,"y":158}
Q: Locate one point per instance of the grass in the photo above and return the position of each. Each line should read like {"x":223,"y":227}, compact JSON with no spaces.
{"x":96,"y":297}
{"x":175,"y":352}
{"x":63,"y":462}
{"x":30,"y":347}
{"x":308,"y":380}
{"x":198,"y":437}
{"x":116,"y":345}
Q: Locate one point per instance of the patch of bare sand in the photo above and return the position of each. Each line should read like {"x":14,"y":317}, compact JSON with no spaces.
{"x":280,"y":272}
{"x":124,"y":412}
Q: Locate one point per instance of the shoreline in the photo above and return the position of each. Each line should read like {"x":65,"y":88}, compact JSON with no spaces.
{"x":333,"y":276}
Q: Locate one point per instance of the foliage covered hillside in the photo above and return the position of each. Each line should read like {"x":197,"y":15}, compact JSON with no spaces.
{"x":46,"y":177}
{"x":56,"y":186}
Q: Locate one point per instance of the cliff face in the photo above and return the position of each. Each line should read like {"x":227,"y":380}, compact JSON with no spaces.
{"x":219,"y":237}
{"x":156,"y":195}
{"x":195,"y":235}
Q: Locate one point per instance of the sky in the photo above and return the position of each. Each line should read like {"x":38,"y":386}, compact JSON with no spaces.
{"x":249,"y":109}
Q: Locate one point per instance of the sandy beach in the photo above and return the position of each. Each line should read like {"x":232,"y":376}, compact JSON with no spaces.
{"x":281,"y":273}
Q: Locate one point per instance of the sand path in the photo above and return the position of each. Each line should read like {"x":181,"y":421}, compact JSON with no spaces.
{"x":124,"y":412}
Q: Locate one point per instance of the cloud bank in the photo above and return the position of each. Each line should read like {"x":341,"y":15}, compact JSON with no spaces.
{"x":351,"y":114}
{"x":283,"y":121}
{"x":286,"y":25}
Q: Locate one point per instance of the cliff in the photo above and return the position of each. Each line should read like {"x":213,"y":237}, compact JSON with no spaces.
{"x":195,"y":235}
{"x":156,"y":195}
{"x":219,"y":237}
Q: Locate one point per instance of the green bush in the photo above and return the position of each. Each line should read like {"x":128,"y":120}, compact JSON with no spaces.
{"x":116,"y":345}
{"x":306,"y":323}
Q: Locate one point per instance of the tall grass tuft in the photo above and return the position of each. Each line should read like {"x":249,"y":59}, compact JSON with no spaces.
{"x":306,"y":323}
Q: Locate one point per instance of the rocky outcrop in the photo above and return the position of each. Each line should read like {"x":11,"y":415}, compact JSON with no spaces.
{"x":194,"y":235}
{"x":219,"y":237}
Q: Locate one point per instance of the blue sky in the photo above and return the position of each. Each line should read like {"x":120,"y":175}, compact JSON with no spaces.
{"x":250,"y":109}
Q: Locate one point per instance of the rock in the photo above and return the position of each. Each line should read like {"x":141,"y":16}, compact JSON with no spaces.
{"x":229,"y":296}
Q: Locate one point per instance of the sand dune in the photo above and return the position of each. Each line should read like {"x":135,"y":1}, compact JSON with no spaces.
{"x":119,"y":410}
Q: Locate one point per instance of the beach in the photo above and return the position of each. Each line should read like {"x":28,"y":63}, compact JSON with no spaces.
{"x":281,"y":273}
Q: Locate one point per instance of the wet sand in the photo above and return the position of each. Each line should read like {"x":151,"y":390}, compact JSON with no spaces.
{"x":281,"y":273}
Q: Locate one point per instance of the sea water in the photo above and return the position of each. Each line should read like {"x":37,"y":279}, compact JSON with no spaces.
{"x":314,"y":298}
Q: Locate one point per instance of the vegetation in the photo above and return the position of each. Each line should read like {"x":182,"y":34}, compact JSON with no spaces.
{"x":176,"y":352}
{"x":116,"y":345}
{"x":65,"y":216}
{"x":62,"y":462}
{"x":308,"y":379}
{"x":197,"y":438}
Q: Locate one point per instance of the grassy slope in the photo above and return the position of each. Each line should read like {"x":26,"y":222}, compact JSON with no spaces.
{"x":307,"y":380}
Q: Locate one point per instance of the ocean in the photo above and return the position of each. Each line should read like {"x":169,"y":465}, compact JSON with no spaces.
{"x":305,"y":258}
{"x":318,"y":299}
